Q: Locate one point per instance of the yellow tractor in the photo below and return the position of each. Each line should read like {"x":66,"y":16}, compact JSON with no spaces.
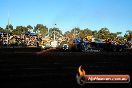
{"x":89,"y":38}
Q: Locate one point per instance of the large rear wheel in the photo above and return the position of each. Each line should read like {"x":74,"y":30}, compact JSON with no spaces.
{"x":114,"y":49}
{"x":120,"y":49}
{"x":85,"y":47}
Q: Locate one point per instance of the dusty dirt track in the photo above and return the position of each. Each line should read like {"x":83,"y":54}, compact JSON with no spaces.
{"x":59,"y":69}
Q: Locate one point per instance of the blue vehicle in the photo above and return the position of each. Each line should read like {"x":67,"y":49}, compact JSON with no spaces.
{"x":81,"y":45}
{"x":97,"y":45}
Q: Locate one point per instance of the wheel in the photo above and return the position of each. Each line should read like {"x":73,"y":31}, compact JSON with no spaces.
{"x":82,"y":47}
{"x":114,"y":49}
{"x":120,"y":49}
{"x":86,"y":48}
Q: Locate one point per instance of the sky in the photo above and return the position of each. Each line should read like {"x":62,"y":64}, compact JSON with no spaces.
{"x":116,"y":15}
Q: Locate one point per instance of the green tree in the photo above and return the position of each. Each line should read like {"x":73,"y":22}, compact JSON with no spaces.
{"x":128,"y":35}
{"x":69,"y":37}
{"x":104,"y":33}
{"x":87,"y":32}
{"x":118,"y":33}
{"x":75,"y":32}
{"x":84,"y":33}
{"x":113,"y":36}
{"x":1,"y":29}
{"x":55,"y":31}
{"x":68,"y":34}
{"x":9,"y":28}
{"x":41,"y":29}
{"x":95,"y":34}
{"x":20,"y":30}
{"x":30,"y":28}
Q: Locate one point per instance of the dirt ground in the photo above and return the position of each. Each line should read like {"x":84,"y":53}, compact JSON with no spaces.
{"x":59,"y":69}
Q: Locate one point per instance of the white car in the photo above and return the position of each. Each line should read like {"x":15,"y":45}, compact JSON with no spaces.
{"x":46,"y":46}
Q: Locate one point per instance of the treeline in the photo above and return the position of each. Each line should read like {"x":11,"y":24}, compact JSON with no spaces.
{"x":103,"y":33}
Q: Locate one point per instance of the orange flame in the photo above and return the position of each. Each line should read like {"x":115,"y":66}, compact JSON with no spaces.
{"x":81,"y":71}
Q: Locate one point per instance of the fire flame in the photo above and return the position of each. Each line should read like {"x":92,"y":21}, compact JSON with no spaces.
{"x":81,"y":71}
